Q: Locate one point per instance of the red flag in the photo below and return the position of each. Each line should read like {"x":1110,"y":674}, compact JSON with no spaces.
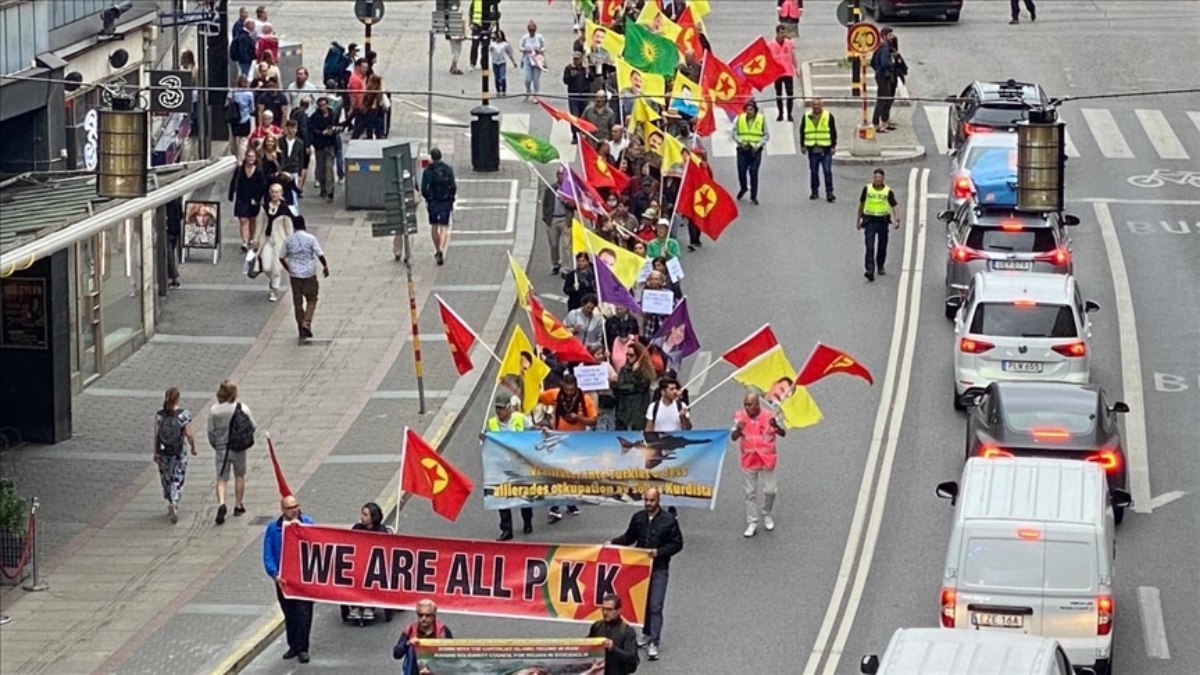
{"x":689,"y":37}
{"x":599,"y":173}
{"x":564,"y":116}
{"x":548,"y":332}
{"x":826,"y":360}
{"x":284,"y":490}
{"x":704,"y":202}
{"x":459,"y":336}
{"x":426,"y":473}
{"x":728,"y":90}
{"x":608,"y":11}
{"x":758,"y":343}
{"x":757,"y":65}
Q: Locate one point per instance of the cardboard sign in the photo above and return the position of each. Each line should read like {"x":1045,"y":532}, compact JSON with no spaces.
{"x":675,"y":269}
{"x":657,"y":302}
{"x":592,"y":378}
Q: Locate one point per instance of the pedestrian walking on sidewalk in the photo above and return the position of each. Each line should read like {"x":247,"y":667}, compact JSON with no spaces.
{"x":426,"y":627}
{"x":278,"y":226}
{"x":784,"y":52}
{"x":247,"y":187}
{"x":756,"y":429}
{"x":172,"y":428}
{"x":501,"y":56}
{"x":751,"y":135}
{"x":174,"y":211}
{"x":370,"y":518}
{"x":231,"y":429}
{"x":506,"y":419}
{"x":533,"y":59}
{"x":323,"y":127}
{"x":440,"y":190}
{"x":657,"y":530}
{"x":620,"y":639}
{"x":297,"y":614}
{"x":819,"y":141}
{"x":877,"y":208}
{"x":301,"y":251}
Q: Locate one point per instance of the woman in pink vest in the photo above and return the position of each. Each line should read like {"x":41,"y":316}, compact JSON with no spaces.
{"x":789,"y":13}
{"x":756,"y":429}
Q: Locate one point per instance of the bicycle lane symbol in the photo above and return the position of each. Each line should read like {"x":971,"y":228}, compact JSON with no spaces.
{"x":1160,"y":177}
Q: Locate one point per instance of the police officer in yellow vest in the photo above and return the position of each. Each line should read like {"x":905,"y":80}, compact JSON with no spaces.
{"x":877,"y":208}
{"x":819,"y":142}
{"x":507,"y":420}
{"x":476,"y":14}
{"x":750,"y":133}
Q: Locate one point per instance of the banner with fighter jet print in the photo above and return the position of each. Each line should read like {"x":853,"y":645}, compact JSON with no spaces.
{"x":553,"y":468}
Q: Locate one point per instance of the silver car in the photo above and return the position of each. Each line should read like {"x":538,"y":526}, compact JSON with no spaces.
{"x":982,"y":239}
{"x":1000,"y":149}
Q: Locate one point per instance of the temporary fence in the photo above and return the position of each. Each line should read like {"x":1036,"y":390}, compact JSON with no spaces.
{"x":24,"y":552}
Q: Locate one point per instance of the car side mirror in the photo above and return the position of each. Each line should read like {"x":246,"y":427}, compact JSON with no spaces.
{"x":970,"y":399}
{"x":948,"y":490}
{"x":1091,"y":306}
{"x":1120,"y":407}
{"x":1070,"y":221}
{"x":869,"y":665}
{"x":945,"y":216}
{"x":1120,"y":498}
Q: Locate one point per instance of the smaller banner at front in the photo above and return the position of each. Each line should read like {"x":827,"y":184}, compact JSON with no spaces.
{"x":523,"y":581}
{"x":551,"y":468}
{"x":519,"y":657}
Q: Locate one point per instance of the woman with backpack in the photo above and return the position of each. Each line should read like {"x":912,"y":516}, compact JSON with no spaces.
{"x":172,"y":428}
{"x":231,"y":430}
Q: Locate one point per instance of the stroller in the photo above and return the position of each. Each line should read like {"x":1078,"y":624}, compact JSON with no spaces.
{"x":365,"y":615}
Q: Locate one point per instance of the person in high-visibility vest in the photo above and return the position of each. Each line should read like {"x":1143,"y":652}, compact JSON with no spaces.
{"x":877,"y":208}
{"x":476,"y":14}
{"x":507,"y":420}
{"x":818,"y":139}
{"x":750,"y":133}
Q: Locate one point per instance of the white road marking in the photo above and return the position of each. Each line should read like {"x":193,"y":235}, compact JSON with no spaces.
{"x":897,"y":418}
{"x":939,"y":124}
{"x":1106,"y":133}
{"x":1136,"y":450}
{"x":722,"y":141}
{"x":1195,"y":117}
{"x":1166,"y":498}
{"x":515,"y":123}
{"x":1069,"y":148}
{"x":442,"y":120}
{"x":699,"y":367}
{"x":863,"y":502}
{"x":560,"y":138}
{"x":1159,"y":131}
{"x":224,"y":340}
{"x":1154,"y":629}
{"x":783,"y":139}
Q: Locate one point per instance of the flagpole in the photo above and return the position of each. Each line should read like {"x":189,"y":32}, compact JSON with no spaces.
{"x":596,"y":262}
{"x":468,"y":327}
{"x":732,"y":375}
{"x":400,"y":478}
{"x":701,"y":374}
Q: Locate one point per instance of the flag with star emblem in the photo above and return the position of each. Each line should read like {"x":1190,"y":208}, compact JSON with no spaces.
{"x":598,"y":172}
{"x":649,"y":52}
{"x":425,"y":473}
{"x":704,"y":202}
{"x":529,"y":147}
{"x":549,"y":333}
{"x":825,"y":360}
{"x":564,"y":116}
{"x":756,"y":65}
{"x":459,"y":336}
{"x":689,"y":33}
{"x":726,"y":89}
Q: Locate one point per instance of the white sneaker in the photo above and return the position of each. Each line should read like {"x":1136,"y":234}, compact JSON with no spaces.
{"x":354,"y":614}
{"x":368,"y":614}
{"x":273,"y":297}
{"x":769,"y":523}
{"x":751,"y":530}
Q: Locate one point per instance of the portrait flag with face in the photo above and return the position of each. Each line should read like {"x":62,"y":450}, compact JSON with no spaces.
{"x":677,"y":334}
{"x":626,"y":265}
{"x":826,"y":360}
{"x":284,"y":489}
{"x":521,"y":371}
{"x":426,"y":473}
{"x":652,"y":17}
{"x":772,"y":376}
{"x":601,"y":42}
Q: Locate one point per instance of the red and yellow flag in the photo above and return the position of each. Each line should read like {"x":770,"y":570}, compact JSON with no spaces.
{"x":704,"y":202}
{"x":726,"y":88}
{"x":598,"y":172}
{"x":826,"y":360}
{"x":689,"y":34}
{"x":459,"y":336}
{"x":564,"y":116}
{"x":755,"y":345}
{"x":757,"y":65}
{"x":549,"y":333}
{"x":427,"y":474}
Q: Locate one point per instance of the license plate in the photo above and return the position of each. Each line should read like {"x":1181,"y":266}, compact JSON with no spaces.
{"x":1013,"y":265}
{"x":997,"y":620}
{"x":1022,"y":366}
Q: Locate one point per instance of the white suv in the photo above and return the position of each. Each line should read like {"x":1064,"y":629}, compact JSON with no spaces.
{"x":1030,"y":326}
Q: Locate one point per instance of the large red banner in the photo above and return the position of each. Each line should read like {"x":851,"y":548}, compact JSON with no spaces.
{"x":553,"y":582}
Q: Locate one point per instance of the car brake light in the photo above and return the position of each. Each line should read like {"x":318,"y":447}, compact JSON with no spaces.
{"x":1025,"y":302}
{"x":1104,"y":614}
{"x":1072,"y":349}
{"x":1029,"y":533}
{"x":963,"y":187}
{"x":992,"y":452}
{"x":969,"y":129}
{"x":949,"y":600}
{"x":1051,"y":434}
{"x":970,"y":346}
{"x":1012,"y":226}
{"x":1109,"y":460}
{"x":1059,"y":256}
{"x":964,"y":254}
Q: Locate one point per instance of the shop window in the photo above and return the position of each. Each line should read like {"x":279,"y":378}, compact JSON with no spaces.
{"x":121,"y":280}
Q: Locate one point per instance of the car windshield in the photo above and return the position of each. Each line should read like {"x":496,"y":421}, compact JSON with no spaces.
{"x":1033,"y":240}
{"x":1076,"y":417}
{"x":1004,"y":319}
{"x":998,"y":115}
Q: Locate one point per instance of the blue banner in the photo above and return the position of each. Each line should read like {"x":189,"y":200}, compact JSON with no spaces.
{"x":552,"y":468}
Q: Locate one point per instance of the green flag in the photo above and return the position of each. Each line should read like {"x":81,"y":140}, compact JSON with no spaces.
{"x":649,"y":52}
{"x":587,"y":7}
{"x":530,"y":148}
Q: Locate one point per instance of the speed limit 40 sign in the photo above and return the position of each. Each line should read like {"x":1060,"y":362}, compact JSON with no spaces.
{"x":862,"y":38}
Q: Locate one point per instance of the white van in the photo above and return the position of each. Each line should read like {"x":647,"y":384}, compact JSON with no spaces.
{"x":932,"y":651}
{"x":1032,"y":551}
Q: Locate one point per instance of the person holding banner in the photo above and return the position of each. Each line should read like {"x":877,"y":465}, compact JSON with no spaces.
{"x":507,"y":420}
{"x":620,"y":640}
{"x":297,"y":614}
{"x":756,"y":430}
{"x":426,"y":627}
{"x":573,"y":411}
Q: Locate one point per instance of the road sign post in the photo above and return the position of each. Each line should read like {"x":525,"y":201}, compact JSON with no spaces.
{"x":400,"y":220}
{"x":862,"y":38}
{"x":369,"y":13}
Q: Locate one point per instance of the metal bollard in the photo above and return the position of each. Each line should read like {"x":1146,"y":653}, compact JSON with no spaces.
{"x":35,"y":582}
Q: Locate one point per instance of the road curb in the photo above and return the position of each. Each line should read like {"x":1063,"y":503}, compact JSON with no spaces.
{"x":444,"y":421}
{"x":889,"y":154}
{"x":808,"y":86}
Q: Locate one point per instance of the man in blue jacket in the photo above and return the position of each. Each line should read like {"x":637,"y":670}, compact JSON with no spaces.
{"x":297,"y":614}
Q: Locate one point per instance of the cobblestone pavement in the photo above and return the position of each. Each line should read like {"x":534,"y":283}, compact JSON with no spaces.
{"x":138,"y":595}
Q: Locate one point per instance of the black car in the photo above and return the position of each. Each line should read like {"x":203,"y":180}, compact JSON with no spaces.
{"x":889,"y":9}
{"x":1049,"y":419}
{"x":992,"y":106}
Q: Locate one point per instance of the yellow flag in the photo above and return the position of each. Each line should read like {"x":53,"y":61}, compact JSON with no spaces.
{"x":625,"y":264}
{"x":653,"y":138}
{"x":773,"y":376}
{"x":602,"y":43}
{"x":524,"y":286}
{"x":653,"y":18}
{"x":672,"y":155}
{"x":643,"y":112}
{"x":633,"y":81}
{"x":521,"y":372}
{"x":699,"y":8}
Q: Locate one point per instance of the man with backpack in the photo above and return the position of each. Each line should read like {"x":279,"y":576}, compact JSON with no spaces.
{"x":241,"y":48}
{"x":231,"y":430}
{"x":668,"y":412}
{"x":439,"y":188}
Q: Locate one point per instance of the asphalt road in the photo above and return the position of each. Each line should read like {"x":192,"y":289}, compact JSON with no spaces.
{"x":861,"y":537}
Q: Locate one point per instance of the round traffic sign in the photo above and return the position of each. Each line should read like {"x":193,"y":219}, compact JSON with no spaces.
{"x":843,"y":13}
{"x":862,"y":38}
{"x":368,"y":11}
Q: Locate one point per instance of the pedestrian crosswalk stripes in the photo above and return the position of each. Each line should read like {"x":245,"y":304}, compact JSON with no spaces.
{"x":1165,"y":142}
{"x":939,"y":123}
{"x":1069,"y":145}
{"x":1106,"y":133}
{"x":1195,"y":120}
{"x":560,"y":138}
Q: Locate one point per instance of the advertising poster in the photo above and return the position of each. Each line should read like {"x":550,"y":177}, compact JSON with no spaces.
{"x":24,"y":318}
{"x":201,"y":224}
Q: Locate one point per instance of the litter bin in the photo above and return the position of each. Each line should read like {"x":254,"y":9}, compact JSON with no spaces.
{"x":485,"y":139}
